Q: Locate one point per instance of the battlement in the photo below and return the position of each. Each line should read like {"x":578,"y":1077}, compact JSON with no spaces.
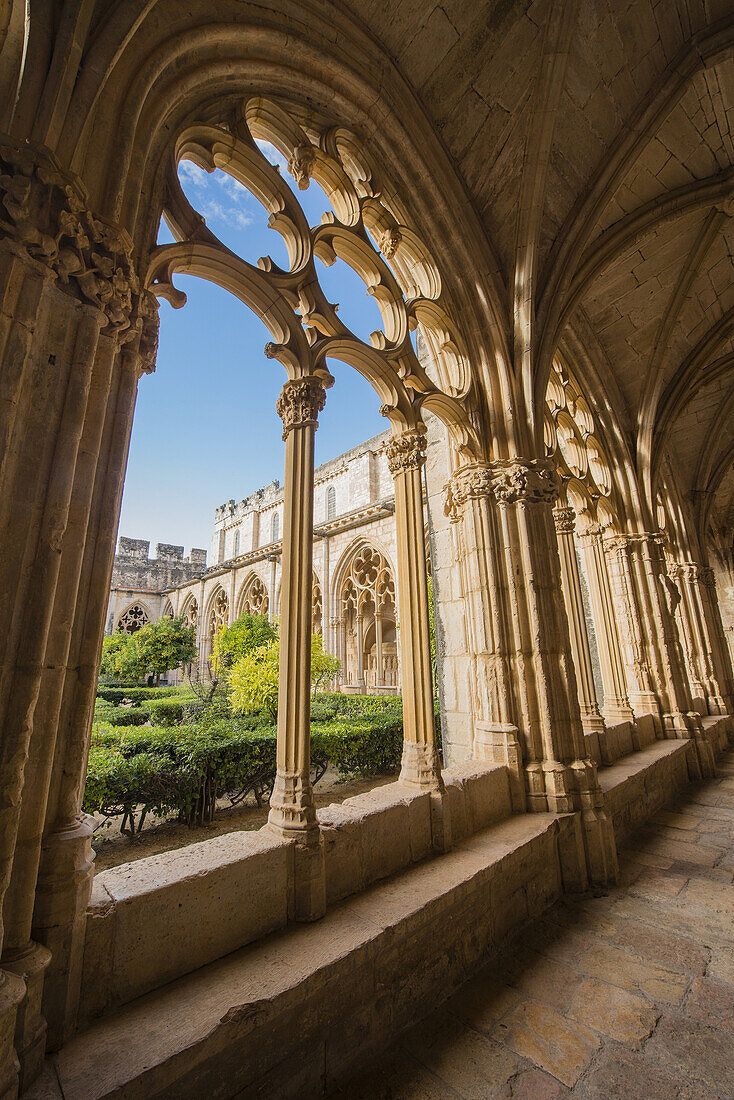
{"x":134,"y":569}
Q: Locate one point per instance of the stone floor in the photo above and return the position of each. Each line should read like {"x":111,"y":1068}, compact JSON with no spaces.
{"x":626,"y":996}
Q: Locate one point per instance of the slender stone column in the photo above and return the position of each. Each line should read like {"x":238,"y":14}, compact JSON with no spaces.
{"x":292,"y":813}
{"x":707,"y":599}
{"x":591,"y":719}
{"x":65,"y":872}
{"x":21,"y":954}
{"x":272,"y":605}
{"x":470,"y":505}
{"x":360,"y":652}
{"x":560,"y":776}
{"x":421,"y":766}
{"x":616,"y":704}
{"x":379,"y":672}
{"x":335,"y":625}
{"x":638,"y":674}
{"x":706,"y":682}
{"x":652,"y":599}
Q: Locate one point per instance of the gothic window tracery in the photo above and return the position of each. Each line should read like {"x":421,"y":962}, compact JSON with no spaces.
{"x":330,"y":502}
{"x":275,"y":528}
{"x":167,"y":610}
{"x":317,"y":607}
{"x":236,"y":544}
{"x":255,"y":598}
{"x":191,"y":613}
{"x":368,"y":619}
{"x":133,"y":620}
{"x":218,"y":612}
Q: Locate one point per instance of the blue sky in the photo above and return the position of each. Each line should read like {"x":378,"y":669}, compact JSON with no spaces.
{"x":205,"y":427}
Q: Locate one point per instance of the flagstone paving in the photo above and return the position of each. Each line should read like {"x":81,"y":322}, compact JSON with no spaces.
{"x":625,"y":996}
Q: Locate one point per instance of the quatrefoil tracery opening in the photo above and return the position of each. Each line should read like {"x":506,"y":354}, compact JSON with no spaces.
{"x":365,"y":229}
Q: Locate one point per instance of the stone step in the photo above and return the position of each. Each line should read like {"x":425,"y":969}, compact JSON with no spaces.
{"x":288,"y":1015}
{"x":640,"y":784}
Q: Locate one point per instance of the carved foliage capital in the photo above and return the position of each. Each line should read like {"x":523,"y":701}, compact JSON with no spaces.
{"x":565,"y":520}
{"x":406,"y":451}
{"x":469,"y":482}
{"x":300,"y":402}
{"x":530,"y":482}
{"x":43,"y":212}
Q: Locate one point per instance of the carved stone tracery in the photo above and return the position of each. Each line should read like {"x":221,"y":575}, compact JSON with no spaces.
{"x":218,"y":612}
{"x":133,"y":620}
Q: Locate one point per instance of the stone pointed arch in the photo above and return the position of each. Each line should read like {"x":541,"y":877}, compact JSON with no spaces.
{"x":253,"y":597}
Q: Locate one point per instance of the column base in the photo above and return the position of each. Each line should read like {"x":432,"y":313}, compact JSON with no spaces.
{"x":12,"y":992}
{"x":292,"y":812}
{"x":616,"y":713}
{"x":558,"y":783}
{"x":715,"y":705}
{"x":499,"y":744}
{"x":30,"y":1026}
{"x":420,"y":767}
{"x":592,"y":722}
{"x":598,"y":832}
{"x":704,"y":749}
{"x":59,"y":922}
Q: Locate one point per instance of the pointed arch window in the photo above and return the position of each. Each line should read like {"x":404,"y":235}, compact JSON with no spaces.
{"x":236,"y":544}
{"x":330,"y":502}
{"x":275,"y":528}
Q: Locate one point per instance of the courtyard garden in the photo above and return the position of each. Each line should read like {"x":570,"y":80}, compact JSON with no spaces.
{"x":190,"y":753}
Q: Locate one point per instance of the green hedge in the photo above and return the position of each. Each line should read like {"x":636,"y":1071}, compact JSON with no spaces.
{"x":187,"y":768}
{"x":167,"y":766}
{"x":135,"y":694}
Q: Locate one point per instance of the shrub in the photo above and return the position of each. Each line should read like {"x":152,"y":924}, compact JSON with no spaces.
{"x":135,"y":694}
{"x":123,"y":716}
{"x":138,"y":768}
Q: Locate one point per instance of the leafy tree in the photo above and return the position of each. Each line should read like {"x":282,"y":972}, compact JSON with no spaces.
{"x":158,"y":647}
{"x":324,"y":666}
{"x":253,"y":678}
{"x":113,"y":647}
{"x":245,"y":634}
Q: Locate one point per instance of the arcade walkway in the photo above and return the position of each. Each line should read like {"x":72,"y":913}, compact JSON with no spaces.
{"x":627,"y":996}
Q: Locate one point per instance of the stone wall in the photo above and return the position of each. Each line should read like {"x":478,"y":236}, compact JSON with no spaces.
{"x":140,"y":579}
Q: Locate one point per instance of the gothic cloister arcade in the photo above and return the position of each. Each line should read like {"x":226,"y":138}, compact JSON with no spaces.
{"x":543,"y":193}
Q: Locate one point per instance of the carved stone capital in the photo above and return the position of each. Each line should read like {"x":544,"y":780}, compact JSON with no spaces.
{"x":466,"y":483}
{"x":300,"y":402}
{"x":565,"y":520}
{"x":406,"y":451}
{"x":44,"y":215}
{"x":635,"y":539}
{"x":532,"y":482}
{"x":706,"y":575}
{"x":300,"y":165}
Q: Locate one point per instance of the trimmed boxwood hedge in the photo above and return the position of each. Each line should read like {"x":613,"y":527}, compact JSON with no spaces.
{"x":135,"y":769}
{"x":116,"y":695}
